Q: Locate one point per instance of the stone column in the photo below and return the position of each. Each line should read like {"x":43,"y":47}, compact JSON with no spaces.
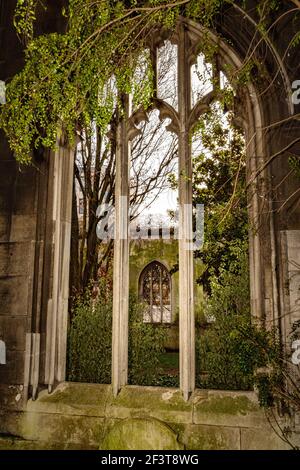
{"x":121,"y":258}
{"x":186,"y":261}
{"x":57,"y":311}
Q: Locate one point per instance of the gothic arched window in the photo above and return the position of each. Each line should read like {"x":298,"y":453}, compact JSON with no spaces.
{"x":155,"y":291}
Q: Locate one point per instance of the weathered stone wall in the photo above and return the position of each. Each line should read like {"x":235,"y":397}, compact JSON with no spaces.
{"x":87,"y":416}
{"x":23,"y":193}
{"x":143,"y":252}
{"x":18,"y":215}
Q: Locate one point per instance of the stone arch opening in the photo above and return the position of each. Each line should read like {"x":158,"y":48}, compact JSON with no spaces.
{"x":273,"y":249}
{"x":155,"y":290}
{"x":187,"y":38}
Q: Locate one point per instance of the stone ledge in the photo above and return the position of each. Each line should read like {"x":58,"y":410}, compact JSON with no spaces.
{"x":205,"y":407}
{"x":161,"y":403}
{"x":75,"y":399}
{"x":225,"y":408}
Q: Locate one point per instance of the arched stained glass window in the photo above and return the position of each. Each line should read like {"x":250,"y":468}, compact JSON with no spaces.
{"x":155,"y":291}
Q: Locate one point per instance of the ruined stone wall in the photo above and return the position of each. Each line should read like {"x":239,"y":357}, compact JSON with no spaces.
{"x":87,"y":416}
{"x":143,"y":252}
{"x":18,"y":215}
{"x":23,"y":198}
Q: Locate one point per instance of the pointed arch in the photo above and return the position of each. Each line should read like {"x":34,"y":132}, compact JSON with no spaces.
{"x":155,"y":290}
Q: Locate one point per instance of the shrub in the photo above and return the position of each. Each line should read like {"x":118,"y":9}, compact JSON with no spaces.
{"x":89,"y":352}
{"x":146,"y":344}
{"x":89,"y":346}
{"x":220,"y":360}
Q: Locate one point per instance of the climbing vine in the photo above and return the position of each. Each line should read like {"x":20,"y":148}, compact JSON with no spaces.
{"x":24,"y":18}
{"x":77,"y":77}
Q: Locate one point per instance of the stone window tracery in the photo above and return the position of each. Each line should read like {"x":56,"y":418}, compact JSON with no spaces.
{"x":155,"y":291}
{"x":186,"y":84}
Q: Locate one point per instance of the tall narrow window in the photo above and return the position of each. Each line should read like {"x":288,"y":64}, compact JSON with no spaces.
{"x":155,"y":291}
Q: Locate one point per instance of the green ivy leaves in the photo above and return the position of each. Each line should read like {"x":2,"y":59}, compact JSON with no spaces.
{"x":64,"y":81}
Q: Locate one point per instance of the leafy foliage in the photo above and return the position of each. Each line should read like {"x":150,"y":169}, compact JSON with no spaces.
{"x":72,"y":78}
{"x":89,"y":349}
{"x":234,"y":352}
{"x":146,"y":344}
{"x":231,"y":350}
{"x":24,"y":18}
{"x":222,"y":359}
{"x":89,"y":341}
{"x":219,"y":183}
{"x":294,"y":163}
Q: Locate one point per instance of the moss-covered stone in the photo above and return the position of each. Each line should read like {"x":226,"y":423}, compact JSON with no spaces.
{"x":82,"y":416}
{"x":141,"y":434}
{"x":162,"y":403}
{"x":257,"y":439}
{"x":13,"y":443}
{"x":143,"y":252}
{"x":227,"y":405}
{"x":199,"y":437}
{"x":77,"y":393}
{"x":229,"y":409}
{"x":74,"y":398}
{"x":85,"y":431}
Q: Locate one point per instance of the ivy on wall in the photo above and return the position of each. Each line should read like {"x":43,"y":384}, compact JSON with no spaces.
{"x":76,"y":77}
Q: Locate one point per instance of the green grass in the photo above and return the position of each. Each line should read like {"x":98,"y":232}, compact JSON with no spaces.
{"x":169,"y":360}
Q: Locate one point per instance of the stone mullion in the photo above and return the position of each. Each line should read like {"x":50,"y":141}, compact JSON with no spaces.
{"x":57,"y":311}
{"x":186,"y":263}
{"x":67,"y":156}
{"x":53,"y":302}
{"x":121,"y":259}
